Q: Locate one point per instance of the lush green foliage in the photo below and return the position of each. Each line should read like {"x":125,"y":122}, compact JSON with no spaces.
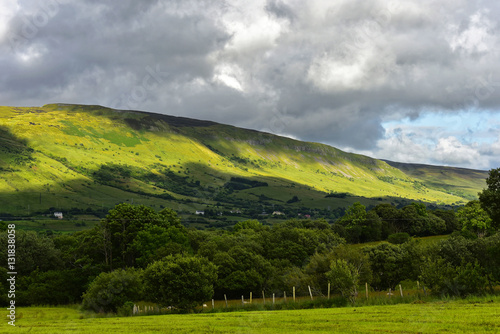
{"x":133,"y":234}
{"x":490,"y":197}
{"x":179,"y":281}
{"x":398,"y":238}
{"x":185,"y":267}
{"x":110,"y":291}
{"x":474,"y":219}
{"x":446,"y":279}
{"x":344,"y":277}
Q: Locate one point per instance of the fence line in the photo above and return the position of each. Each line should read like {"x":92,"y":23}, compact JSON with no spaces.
{"x":226,"y":304}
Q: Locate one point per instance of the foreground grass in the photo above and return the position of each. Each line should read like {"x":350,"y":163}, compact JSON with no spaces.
{"x":468,"y":316}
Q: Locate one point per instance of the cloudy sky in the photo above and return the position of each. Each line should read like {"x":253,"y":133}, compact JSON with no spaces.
{"x":410,"y":81}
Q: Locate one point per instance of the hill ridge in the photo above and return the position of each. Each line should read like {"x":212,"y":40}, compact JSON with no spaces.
{"x":89,"y":155}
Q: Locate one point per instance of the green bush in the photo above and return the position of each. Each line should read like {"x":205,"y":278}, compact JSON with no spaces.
{"x":109,"y":292}
{"x":398,"y":238}
{"x":344,"y":277}
{"x":183,"y":282}
{"x":445,"y":279}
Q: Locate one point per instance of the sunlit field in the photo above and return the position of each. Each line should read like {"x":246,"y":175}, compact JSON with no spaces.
{"x":478,"y":315}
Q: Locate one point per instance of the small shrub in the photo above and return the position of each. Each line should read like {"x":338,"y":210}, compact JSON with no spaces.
{"x":126,"y":310}
{"x":398,"y":238}
{"x":110,"y":292}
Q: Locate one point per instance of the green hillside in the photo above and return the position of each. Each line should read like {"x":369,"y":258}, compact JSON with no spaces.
{"x":72,"y":156}
{"x":463,"y":182}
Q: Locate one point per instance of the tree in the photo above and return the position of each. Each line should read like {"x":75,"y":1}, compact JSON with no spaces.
{"x":53,"y":287}
{"x":110,"y":291}
{"x":445,"y":278}
{"x":414,"y":218}
{"x":487,"y":252}
{"x":122,"y":225}
{"x":296,"y":240}
{"x":391,"y":219}
{"x":320,"y":264}
{"x":490,"y":197}
{"x":435,"y":225}
{"x":449,"y":218}
{"x":83,"y":250}
{"x":248,"y":224}
{"x":180,"y":281}
{"x":387,"y":262}
{"x":32,"y":251}
{"x":355,"y":215}
{"x":155,"y":242}
{"x":241,"y":270}
{"x":344,"y":278}
{"x":361,"y":226}
{"x":474,"y":219}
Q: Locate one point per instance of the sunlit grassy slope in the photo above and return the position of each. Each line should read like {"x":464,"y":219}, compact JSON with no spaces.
{"x":459,"y":181}
{"x":66,"y":156}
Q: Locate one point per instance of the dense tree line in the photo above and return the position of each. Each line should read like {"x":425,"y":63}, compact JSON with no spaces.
{"x":136,"y":253}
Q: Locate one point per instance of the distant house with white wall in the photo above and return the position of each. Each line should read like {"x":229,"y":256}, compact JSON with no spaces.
{"x":200,"y":212}
{"x":58,"y":215}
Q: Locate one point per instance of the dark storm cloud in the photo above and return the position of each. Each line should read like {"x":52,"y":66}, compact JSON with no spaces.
{"x":334,"y":72}
{"x":111,"y":46}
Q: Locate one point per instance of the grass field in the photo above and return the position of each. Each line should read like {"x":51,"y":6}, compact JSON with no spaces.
{"x":479,"y":315}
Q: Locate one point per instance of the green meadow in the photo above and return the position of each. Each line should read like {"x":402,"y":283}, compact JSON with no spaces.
{"x":473,"y":315}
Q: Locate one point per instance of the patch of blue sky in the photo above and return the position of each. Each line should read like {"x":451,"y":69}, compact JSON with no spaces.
{"x":481,"y":127}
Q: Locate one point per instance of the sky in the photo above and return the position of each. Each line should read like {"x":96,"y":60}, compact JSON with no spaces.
{"x":408,"y":81}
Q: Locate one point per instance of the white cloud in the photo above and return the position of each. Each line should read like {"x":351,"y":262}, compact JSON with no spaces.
{"x":433,"y":145}
{"x":8,"y":9}
{"x":227,"y":75}
{"x":252,"y":30}
{"x":478,"y":37}
{"x":451,"y":150}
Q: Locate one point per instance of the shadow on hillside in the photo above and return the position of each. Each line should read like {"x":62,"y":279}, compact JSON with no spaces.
{"x":262,"y":193}
{"x":14,"y":151}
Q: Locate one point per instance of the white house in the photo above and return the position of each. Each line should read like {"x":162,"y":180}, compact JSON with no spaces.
{"x":58,"y":215}
{"x":200,"y":212}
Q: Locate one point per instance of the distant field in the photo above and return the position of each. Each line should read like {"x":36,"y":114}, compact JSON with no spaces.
{"x":465,"y":316}
{"x":64,"y":225}
{"x":423,"y":240}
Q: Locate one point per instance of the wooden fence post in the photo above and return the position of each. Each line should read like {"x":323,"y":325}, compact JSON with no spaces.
{"x":264,"y":297}
{"x":213,"y":304}
{"x":400,"y":290}
{"x":273,"y":298}
{"x":310,"y":292}
{"x":294,"y":294}
{"x":390,"y":293}
{"x":328,"y":290}
{"x":366,"y":290}
{"x":242,"y":300}
{"x":250,"y":297}
{"x":284,"y":295}
{"x":225,"y":298}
